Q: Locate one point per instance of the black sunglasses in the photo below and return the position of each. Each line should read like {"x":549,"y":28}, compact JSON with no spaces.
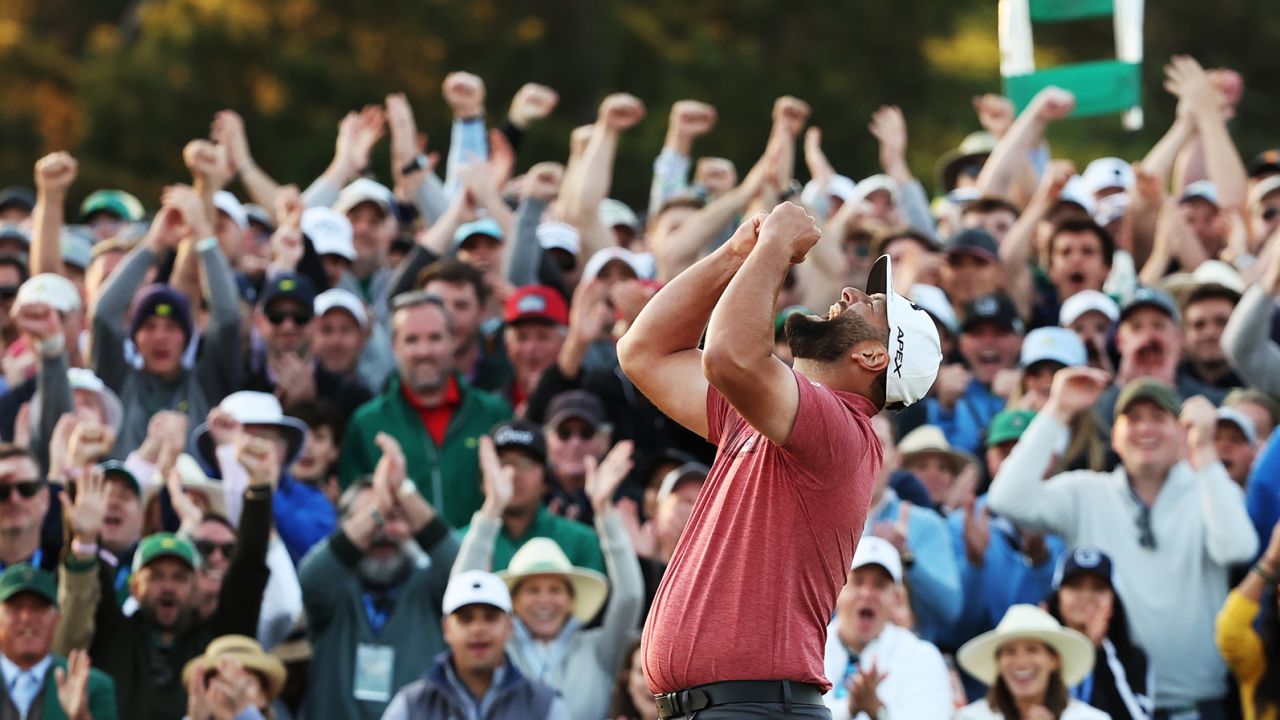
{"x":1146,"y":537}
{"x":277,"y":317}
{"x":1268,"y":214}
{"x":586,"y":432}
{"x":972,"y":170}
{"x":206,"y":548}
{"x":9,"y":292}
{"x":25,"y":488}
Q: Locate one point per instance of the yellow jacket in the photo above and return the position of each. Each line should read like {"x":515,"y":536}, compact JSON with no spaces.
{"x":1242,"y":649}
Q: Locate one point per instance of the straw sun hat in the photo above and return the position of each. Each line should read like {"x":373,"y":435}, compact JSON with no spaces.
{"x":542,"y":556}
{"x":1028,"y":622}
{"x":250,"y":656}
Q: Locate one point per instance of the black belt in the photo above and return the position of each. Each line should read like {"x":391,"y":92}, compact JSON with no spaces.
{"x":687,"y":702}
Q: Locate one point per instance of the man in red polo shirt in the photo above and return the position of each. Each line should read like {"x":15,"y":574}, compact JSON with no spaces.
{"x":738,"y":625}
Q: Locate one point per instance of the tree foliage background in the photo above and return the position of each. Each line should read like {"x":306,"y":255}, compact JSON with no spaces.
{"x":124,"y":84}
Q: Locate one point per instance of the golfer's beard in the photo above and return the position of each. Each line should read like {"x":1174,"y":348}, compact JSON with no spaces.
{"x":823,"y":340}
{"x":186,"y":617}
{"x":383,"y":572}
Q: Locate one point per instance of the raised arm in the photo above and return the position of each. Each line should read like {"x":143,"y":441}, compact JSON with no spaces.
{"x":522,"y":255}
{"x":240,"y":600}
{"x":1173,"y":239}
{"x":739,"y":359}
{"x":357,"y":134}
{"x":659,"y":352}
{"x":1185,"y":78}
{"x":54,"y":174}
{"x":465,"y":94}
{"x":1017,"y":250}
{"x":689,"y":120}
{"x":590,"y":185}
{"x":42,"y":328}
{"x":228,"y":131}
{"x":889,"y":126}
{"x":626,"y":585}
{"x":1001,"y":169}
{"x":1229,"y":536}
{"x":411,"y":168}
{"x":1250,"y":351}
{"x":476,"y":550}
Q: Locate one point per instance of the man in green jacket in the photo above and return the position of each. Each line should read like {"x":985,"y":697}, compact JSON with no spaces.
{"x":431,"y":411}
{"x":37,"y":683}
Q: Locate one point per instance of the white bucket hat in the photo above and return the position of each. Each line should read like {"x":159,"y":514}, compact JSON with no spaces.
{"x":254,"y":408}
{"x":1028,"y":622}
{"x":542,"y":556}
{"x":914,"y":349}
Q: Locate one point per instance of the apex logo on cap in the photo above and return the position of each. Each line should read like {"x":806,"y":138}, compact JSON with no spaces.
{"x":532,"y":303}
{"x":897,"y":360}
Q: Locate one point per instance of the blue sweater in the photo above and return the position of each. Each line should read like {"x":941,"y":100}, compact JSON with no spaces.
{"x":964,"y":423}
{"x":934,"y":579}
{"x":303,"y":514}
{"x":1262,"y":495}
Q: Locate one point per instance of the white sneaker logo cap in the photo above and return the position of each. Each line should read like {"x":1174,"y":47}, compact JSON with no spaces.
{"x":915,"y":352}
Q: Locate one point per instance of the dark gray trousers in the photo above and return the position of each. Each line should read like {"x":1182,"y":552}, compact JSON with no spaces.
{"x":761,"y":711}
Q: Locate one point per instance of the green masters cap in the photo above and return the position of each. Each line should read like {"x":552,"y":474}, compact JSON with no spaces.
{"x":1148,"y":389}
{"x":1008,"y":425}
{"x":116,"y":469}
{"x":116,"y":202}
{"x":24,"y":577}
{"x":161,"y":545}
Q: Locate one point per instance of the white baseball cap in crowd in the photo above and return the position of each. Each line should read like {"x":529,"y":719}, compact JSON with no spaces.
{"x":1265,"y":187}
{"x":329,"y":231}
{"x":1201,"y":190}
{"x":1240,"y":420}
{"x":876,"y":183}
{"x":559,"y":236}
{"x":1107,"y":173}
{"x":50,"y":289}
{"x":1087,"y":301}
{"x":363,"y":190}
{"x":476,"y":587}
{"x":1111,"y":208}
{"x":339,"y":299}
{"x":840,"y":186}
{"x":604,"y":256}
{"x":1057,"y":344}
{"x":1076,"y":192}
{"x":227,"y":203}
{"x":615,"y":212}
{"x":934,"y":301}
{"x":873,"y":550}
{"x":915,"y":352}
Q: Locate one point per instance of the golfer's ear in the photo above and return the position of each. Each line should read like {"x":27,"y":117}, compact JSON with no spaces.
{"x":870,"y":356}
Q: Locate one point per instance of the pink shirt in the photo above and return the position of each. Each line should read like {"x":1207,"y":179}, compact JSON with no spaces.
{"x":754,"y":578}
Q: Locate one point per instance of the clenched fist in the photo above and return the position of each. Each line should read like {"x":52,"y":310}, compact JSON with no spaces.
{"x":621,"y":111}
{"x":796,"y":229}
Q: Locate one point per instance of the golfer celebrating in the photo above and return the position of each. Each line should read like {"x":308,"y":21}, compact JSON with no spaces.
{"x":739,"y":622}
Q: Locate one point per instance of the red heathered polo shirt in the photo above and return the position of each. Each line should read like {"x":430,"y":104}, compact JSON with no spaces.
{"x":754,"y":578}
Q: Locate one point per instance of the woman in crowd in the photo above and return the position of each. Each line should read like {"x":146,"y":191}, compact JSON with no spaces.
{"x":1028,"y":661}
{"x":1084,"y":599}
{"x":553,"y":601}
{"x":1254,"y":654}
{"x":631,"y":697}
{"x":1045,"y":351}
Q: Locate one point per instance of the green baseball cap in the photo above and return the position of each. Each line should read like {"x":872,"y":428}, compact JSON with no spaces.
{"x":116,"y":202}
{"x":163,"y":544}
{"x":116,"y":469}
{"x":1008,"y":425}
{"x":1148,"y":389}
{"x":24,"y":577}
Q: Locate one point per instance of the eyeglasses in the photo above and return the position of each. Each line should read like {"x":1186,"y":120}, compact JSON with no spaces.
{"x":972,"y":170}
{"x":25,"y":488}
{"x":565,"y":433}
{"x":277,"y":317}
{"x":1146,"y":538}
{"x":206,"y":548}
{"x":9,"y":292}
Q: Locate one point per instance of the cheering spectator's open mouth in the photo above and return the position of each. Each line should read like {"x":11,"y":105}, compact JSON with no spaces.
{"x":1150,"y":354}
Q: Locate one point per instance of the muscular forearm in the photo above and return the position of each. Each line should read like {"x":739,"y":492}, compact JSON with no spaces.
{"x":1160,"y":159}
{"x":46,"y":232}
{"x":741,"y":328}
{"x":674,"y":319}
{"x":1010,"y":153}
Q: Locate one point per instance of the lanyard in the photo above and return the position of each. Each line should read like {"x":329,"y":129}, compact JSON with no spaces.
{"x":379,"y":610}
{"x":1084,"y":690}
{"x":36,"y":557}
{"x":841,"y":689}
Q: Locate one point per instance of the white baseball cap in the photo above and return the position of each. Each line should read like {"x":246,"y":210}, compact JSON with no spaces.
{"x":840,"y":186}
{"x":1075,"y":191}
{"x":615,"y":212}
{"x":50,"y":289}
{"x":604,"y":256}
{"x":329,"y":231}
{"x":227,"y":203}
{"x":1203,"y":190}
{"x":476,"y":587}
{"x":1264,"y":188}
{"x":559,"y":236}
{"x":874,"y":550}
{"x":1087,"y":301}
{"x":363,"y":190}
{"x":1240,"y":420}
{"x":1053,"y":343}
{"x":339,"y":299}
{"x":876,"y":183}
{"x":1106,"y":173}
{"x":915,"y":352}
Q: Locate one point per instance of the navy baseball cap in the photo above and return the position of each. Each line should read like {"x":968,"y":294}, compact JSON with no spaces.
{"x":973,"y":241}
{"x":288,"y":286}
{"x":997,"y":308}
{"x":1084,"y":559}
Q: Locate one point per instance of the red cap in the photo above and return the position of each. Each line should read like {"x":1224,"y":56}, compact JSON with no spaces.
{"x":536,"y":302}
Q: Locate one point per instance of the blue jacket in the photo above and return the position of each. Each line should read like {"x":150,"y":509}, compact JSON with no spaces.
{"x":1004,"y":579}
{"x":964,"y":423}
{"x":440,"y":695}
{"x":934,"y":579}
{"x":303,"y":514}
{"x":1262,"y":495}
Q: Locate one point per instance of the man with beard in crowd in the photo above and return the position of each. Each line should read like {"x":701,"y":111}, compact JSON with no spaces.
{"x":145,"y":653}
{"x":798,"y":458}
{"x":370,"y":590}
